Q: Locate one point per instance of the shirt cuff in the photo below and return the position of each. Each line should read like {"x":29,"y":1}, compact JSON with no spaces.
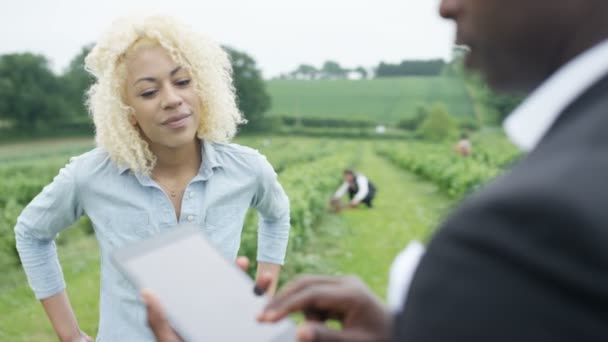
{"x":41,"y":265}
{"x":272,"y":247}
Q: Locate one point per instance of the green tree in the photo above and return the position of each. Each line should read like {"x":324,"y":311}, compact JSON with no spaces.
{"x":438,"y":125}
{"x":305,"y":71}
{"x":76,"y":81}
{"x":431,"y":67}
{"x":361,"y":70}
{"x":31,"y":96}
{"x":332,"y":70}
{"x":253,"y":98}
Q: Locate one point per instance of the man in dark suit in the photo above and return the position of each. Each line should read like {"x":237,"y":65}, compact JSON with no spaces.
{"x":524,"y":259}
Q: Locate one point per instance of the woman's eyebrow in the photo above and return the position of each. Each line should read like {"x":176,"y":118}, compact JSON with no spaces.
{"x":152,"y":79}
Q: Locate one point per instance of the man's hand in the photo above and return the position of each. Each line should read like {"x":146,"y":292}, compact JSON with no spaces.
{"x":335,"y":205}
{"x":157,"y":320}
{"x":346,"y":299}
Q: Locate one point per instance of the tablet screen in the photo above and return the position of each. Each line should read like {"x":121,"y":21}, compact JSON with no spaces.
{"x":205,"y":296}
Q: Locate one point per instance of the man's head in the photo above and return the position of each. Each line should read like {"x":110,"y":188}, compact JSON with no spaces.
{"x":517,"y":44}
{"x":349,"y":175}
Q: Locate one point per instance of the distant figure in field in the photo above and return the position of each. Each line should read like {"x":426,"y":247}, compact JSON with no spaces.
{"x":359,"y":188}
{"x":463,"y":146}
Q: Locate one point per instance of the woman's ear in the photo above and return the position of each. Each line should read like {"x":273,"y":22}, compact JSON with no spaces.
{"x":132,"y":119}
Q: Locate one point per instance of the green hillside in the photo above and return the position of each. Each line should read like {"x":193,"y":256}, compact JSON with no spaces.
{"x":385,"y":100}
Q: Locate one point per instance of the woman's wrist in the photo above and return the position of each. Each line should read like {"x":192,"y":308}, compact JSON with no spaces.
{"x":76,"y":336}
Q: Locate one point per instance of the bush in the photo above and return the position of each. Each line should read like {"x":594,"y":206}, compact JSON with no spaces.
{"x":438,"y":125}
{"x":412,"y":123}
{"x":468,"y":124}
{"x":8,"y":218}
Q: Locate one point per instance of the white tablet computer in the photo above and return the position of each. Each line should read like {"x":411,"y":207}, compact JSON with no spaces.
{"x":205,"y":296}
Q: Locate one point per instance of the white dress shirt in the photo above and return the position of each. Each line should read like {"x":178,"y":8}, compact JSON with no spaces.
{"x":362,"y":184}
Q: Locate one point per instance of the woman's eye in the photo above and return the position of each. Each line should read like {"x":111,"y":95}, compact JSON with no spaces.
{"x":148,"y":94}
{"x":183,"y":83}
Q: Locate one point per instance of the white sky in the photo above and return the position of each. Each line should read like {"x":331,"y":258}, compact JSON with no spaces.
{"x":279,"y":34}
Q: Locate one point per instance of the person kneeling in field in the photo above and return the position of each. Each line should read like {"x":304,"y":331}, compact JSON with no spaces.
{"x":359,"y":188}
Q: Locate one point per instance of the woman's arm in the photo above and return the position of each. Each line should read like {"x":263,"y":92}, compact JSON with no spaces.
{"x":272,"y":205}
{"x":341,"y":191}
{"x":54,"y":209}
{"x":271,"y":271}
{"x":59,"y":311}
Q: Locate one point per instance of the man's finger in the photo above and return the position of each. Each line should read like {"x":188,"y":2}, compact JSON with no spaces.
{"x":324,"y":297}
{"x":156,"y":318}
{"x":319,"y":332}
{"x":299,"y":284}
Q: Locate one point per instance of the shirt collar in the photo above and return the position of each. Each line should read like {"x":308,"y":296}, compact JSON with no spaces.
{"x":122,"y":169}
{"x":209,"y":161}
{"x":527,"y":125}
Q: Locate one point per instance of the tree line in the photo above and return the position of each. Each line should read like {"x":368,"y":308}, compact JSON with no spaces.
{"x":332,"y":70}
{"x":33,"y":98}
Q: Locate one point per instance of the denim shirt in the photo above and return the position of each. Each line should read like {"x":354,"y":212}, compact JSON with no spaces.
{"x":126,"y":207}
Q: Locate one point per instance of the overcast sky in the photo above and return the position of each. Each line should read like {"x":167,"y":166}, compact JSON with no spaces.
{"x":279,"y":34}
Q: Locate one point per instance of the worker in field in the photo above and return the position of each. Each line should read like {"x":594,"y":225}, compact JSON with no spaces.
{"x":464,"y":146}
{"x":359,"y":188}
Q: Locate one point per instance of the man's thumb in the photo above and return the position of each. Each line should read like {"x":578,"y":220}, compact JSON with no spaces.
{"x":319,"y":332}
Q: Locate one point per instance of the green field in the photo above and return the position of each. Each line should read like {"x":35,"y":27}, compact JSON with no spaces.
{"x":383,"y":100}
{"x":415,"y":192}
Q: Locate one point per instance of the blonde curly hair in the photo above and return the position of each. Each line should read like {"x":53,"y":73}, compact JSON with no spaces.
{"x":205,"y":60}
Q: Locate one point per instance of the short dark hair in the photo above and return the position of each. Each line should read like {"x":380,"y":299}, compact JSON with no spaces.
{"x":349,"y":172}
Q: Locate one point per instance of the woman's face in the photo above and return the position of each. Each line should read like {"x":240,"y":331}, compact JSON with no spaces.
{"x":167,"y":108}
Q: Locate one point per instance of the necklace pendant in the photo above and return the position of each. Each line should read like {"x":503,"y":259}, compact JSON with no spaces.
{"x":173,"y":194}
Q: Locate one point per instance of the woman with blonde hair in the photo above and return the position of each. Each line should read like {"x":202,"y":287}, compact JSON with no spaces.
{"x":164,"y":110}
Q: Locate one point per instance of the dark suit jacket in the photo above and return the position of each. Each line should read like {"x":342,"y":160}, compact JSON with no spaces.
{"x":526,"y":258}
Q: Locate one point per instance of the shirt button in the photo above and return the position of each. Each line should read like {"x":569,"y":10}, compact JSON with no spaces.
{"x":190,"y":194}
{"x":190,"y":218}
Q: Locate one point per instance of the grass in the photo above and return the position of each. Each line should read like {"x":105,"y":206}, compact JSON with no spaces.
{"x":365,"y":241}
{"x":385,"y":100}
{"x":10,"y":152}
{"x":23,"y":317}
{"x":362,"y":242}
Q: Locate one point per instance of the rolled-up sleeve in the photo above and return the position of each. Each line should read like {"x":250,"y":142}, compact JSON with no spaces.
{"x":341,"y":191}
{"x":272,"y":205}
{"x":53,"y":210}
